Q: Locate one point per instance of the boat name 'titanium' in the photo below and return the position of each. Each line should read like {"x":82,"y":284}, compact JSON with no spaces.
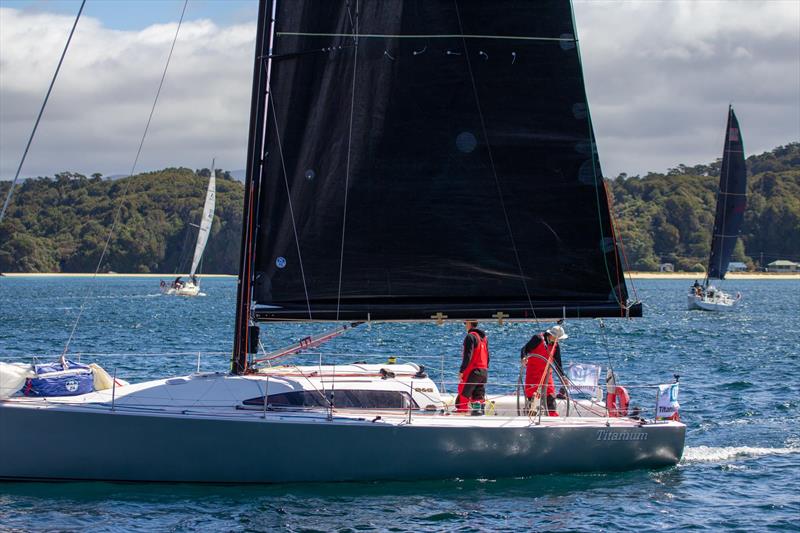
{"x":621,"y":435}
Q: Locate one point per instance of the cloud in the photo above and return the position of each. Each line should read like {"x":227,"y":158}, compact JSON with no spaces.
{"x":99,"y":107}
{"x":659,"y":76}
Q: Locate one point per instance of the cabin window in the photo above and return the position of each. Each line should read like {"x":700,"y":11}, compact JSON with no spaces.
{"x":345,"y":399}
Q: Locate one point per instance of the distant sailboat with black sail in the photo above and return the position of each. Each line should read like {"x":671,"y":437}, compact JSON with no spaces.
{"x":191,"y":287}
{"x":728,"y":219}
{"x":407,"y":161}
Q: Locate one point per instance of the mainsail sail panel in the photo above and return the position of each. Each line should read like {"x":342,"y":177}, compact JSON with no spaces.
{"x":205,"y":223}
{"x":438,"y":162}
{"x":731,"y":200}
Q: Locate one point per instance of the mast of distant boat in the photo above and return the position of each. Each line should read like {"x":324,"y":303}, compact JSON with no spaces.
{"x":721,"y":196}
{"x":205,"y":222}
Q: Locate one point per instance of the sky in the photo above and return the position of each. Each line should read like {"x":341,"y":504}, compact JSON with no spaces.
{"x":659,"y":77}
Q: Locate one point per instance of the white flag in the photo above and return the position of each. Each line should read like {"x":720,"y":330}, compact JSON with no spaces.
{"x":668,"y":405}
{"x":583,"y":378}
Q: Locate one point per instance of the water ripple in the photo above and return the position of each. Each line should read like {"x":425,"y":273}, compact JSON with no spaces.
{"x":739,"y":397}
{"x":707,"y":454}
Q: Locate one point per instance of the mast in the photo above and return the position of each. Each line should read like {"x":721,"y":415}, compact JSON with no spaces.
{"x":262,"y":67}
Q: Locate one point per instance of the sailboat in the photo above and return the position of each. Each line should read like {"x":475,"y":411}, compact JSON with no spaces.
{"x":191,"y":287}
{"x":416,"y":162}
{"x":728,"y":219}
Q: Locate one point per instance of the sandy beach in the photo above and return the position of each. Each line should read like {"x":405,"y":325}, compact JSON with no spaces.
{"x":634,"y":275}
{"x":729,"y":275}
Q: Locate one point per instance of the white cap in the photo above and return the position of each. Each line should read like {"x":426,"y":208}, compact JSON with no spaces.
{"x":558,"y":333}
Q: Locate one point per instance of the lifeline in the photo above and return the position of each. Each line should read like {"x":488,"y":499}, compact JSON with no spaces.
{"x":621,"y":435}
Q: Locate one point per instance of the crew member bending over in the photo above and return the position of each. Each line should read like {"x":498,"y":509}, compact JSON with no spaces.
{"x":543,"y":347}
{"x":474,"y":370}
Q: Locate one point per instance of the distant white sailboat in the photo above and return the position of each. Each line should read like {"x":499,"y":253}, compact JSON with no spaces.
{"x":191,"y":287}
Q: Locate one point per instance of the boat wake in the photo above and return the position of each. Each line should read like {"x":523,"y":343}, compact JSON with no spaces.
{"x":710,"y":454}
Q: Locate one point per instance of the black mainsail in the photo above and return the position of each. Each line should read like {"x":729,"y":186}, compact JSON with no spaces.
{"x":731,"y":200}
{"x":424,"y":158}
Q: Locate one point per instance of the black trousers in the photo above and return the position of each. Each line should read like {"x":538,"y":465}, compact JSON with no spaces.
{"x":475,"y":384}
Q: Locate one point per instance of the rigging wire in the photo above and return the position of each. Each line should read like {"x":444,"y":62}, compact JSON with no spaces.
{"x":289,"y":200}
{"x":347,"y":166}
{"x":625,"y":262}
{"x":605,"y":343}
{"x":491,"y":162}
{"x":614,"y":241}
{"x":595,"y":162}
{"x":608,"y":356}
{"x":41,"y":111}
{"x":183,"y":257}
{"x":616,"y":234}
{"x":127,"y":184}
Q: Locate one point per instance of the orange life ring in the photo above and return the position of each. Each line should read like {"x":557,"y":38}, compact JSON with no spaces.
{"x":617,"y":402}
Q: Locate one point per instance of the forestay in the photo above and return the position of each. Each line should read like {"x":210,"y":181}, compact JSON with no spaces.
{"x":430,"y":158}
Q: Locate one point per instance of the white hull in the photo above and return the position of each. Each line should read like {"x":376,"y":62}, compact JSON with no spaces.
{"x":181,"y":430}
{"x":719,"y":302}
{"x":188,"y":289}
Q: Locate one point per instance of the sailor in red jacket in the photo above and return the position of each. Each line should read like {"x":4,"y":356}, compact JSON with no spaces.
{"x":541,"y":349}
{"x":474,"y":370}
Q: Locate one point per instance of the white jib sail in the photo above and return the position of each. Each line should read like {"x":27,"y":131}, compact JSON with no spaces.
{"x":205,"y":223}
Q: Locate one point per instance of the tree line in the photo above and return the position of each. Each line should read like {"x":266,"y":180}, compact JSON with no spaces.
{"x":61,"y":224}
{"x":668,"y":218}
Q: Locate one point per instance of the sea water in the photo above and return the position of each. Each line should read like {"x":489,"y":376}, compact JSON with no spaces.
{"x":740,"y":398}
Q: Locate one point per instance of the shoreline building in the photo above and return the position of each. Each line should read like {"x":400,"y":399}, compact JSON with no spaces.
{"x":782,"y":265}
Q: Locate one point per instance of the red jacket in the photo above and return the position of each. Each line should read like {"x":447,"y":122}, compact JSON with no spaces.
{"x":537,"y":366}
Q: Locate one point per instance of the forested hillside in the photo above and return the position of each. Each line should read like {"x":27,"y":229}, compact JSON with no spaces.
{"x":668,"y":217}
{"x":61,"y":224}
